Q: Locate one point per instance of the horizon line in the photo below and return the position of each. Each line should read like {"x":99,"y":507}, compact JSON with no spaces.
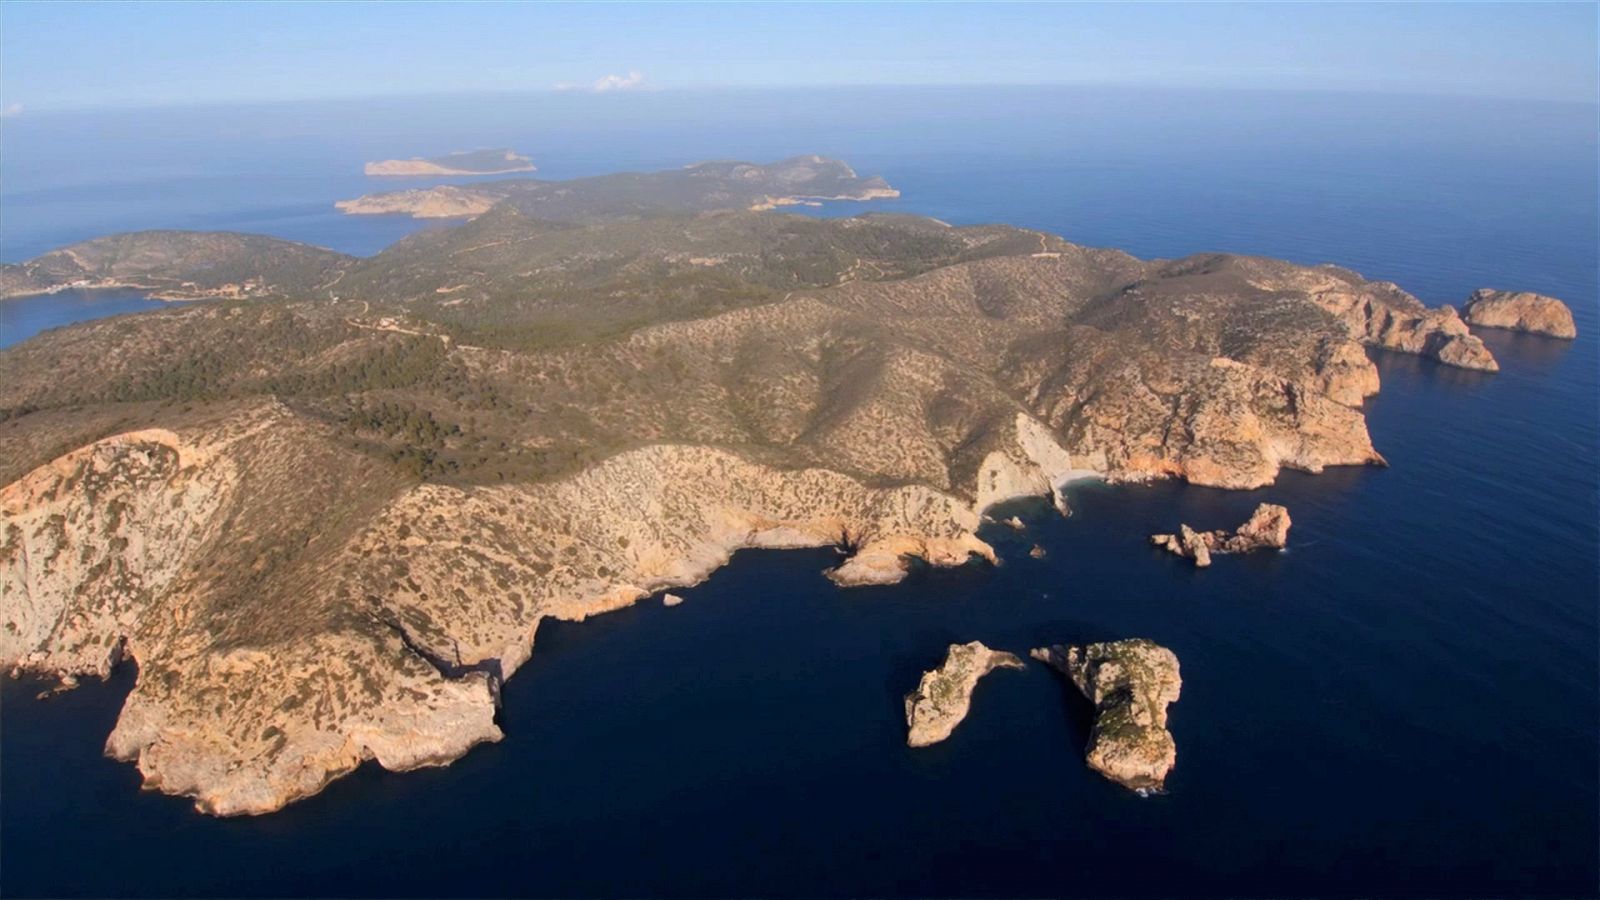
{"x":19,"y":109}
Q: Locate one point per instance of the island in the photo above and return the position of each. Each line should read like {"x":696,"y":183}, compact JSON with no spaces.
{"x":326,"y":517}
{"x":463,"y":162}
{"x":1131,"y":683}
{"x":1266,"y":529}
{"x":944,"y":695}
{"x":1521,"y":311}
{"x":701,"y":187}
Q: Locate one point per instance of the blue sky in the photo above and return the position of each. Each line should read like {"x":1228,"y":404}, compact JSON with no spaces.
{"x":76,"y":55}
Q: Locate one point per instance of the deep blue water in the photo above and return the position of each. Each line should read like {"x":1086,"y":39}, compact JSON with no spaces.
{"x":1405,"y":703}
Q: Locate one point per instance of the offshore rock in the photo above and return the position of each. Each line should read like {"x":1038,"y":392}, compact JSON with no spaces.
{"x":944,"y":695}
{"x":1268,"y":527}
{"x":1130,"y":683}
{"x":1521,"y":311}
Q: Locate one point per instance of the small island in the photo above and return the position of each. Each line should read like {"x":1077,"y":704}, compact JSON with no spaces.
{"x":500,"y":161}
{"x":1521,"y":311}
{"x":1268,"y":528}
{"x":944,"y":695}
{"x":1131,"y":683}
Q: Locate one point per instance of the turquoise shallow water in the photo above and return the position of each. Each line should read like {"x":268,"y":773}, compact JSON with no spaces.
{"x":1405,"y":703}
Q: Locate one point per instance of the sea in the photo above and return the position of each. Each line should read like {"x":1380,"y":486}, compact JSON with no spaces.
{"x":1404,"y":703}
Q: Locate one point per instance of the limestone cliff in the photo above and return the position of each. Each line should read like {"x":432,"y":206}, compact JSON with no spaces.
{"x":944,"y":695}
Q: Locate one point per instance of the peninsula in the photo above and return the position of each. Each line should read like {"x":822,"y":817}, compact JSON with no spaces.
{"x":462,"y":162}
{"x":327,"y":517}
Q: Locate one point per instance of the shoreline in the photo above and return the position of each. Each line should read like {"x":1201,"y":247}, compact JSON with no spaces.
{"x":150,"y":292}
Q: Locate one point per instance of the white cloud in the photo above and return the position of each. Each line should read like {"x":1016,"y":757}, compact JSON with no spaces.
{"x":620,"y":82}
{"x":634,"y":80}
{"x":10,"y":110}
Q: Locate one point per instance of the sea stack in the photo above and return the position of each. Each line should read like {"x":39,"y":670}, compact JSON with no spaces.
{"x":1268,"y":527}
{"x":1521,"y":311}
{"x":944,"y":695}
{"x":1130,"y":683}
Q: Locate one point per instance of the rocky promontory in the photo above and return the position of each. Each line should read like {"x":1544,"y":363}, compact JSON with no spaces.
{"x":1130,"y":683}
{"x":944,"y":695}
{"x":1521,"y":311}
{"x":1267,"y":528}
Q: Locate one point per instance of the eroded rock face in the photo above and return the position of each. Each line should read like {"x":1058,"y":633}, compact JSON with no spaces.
{"x":1130,"y":683}
{"x":1521,"y":311}
{"x":944,"y":695}
{"x":1267,"y":528}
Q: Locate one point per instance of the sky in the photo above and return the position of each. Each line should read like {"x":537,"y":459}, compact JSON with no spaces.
{"x":116,"y":55}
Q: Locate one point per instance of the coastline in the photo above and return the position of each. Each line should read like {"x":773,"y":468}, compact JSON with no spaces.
{"x":880,"y":528}
{"x":151,"y":292}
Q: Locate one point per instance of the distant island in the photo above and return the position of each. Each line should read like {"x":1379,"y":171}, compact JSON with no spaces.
{"x":501,"y":161}
{"x":327,"y":517}
{"x":702,"y":187}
